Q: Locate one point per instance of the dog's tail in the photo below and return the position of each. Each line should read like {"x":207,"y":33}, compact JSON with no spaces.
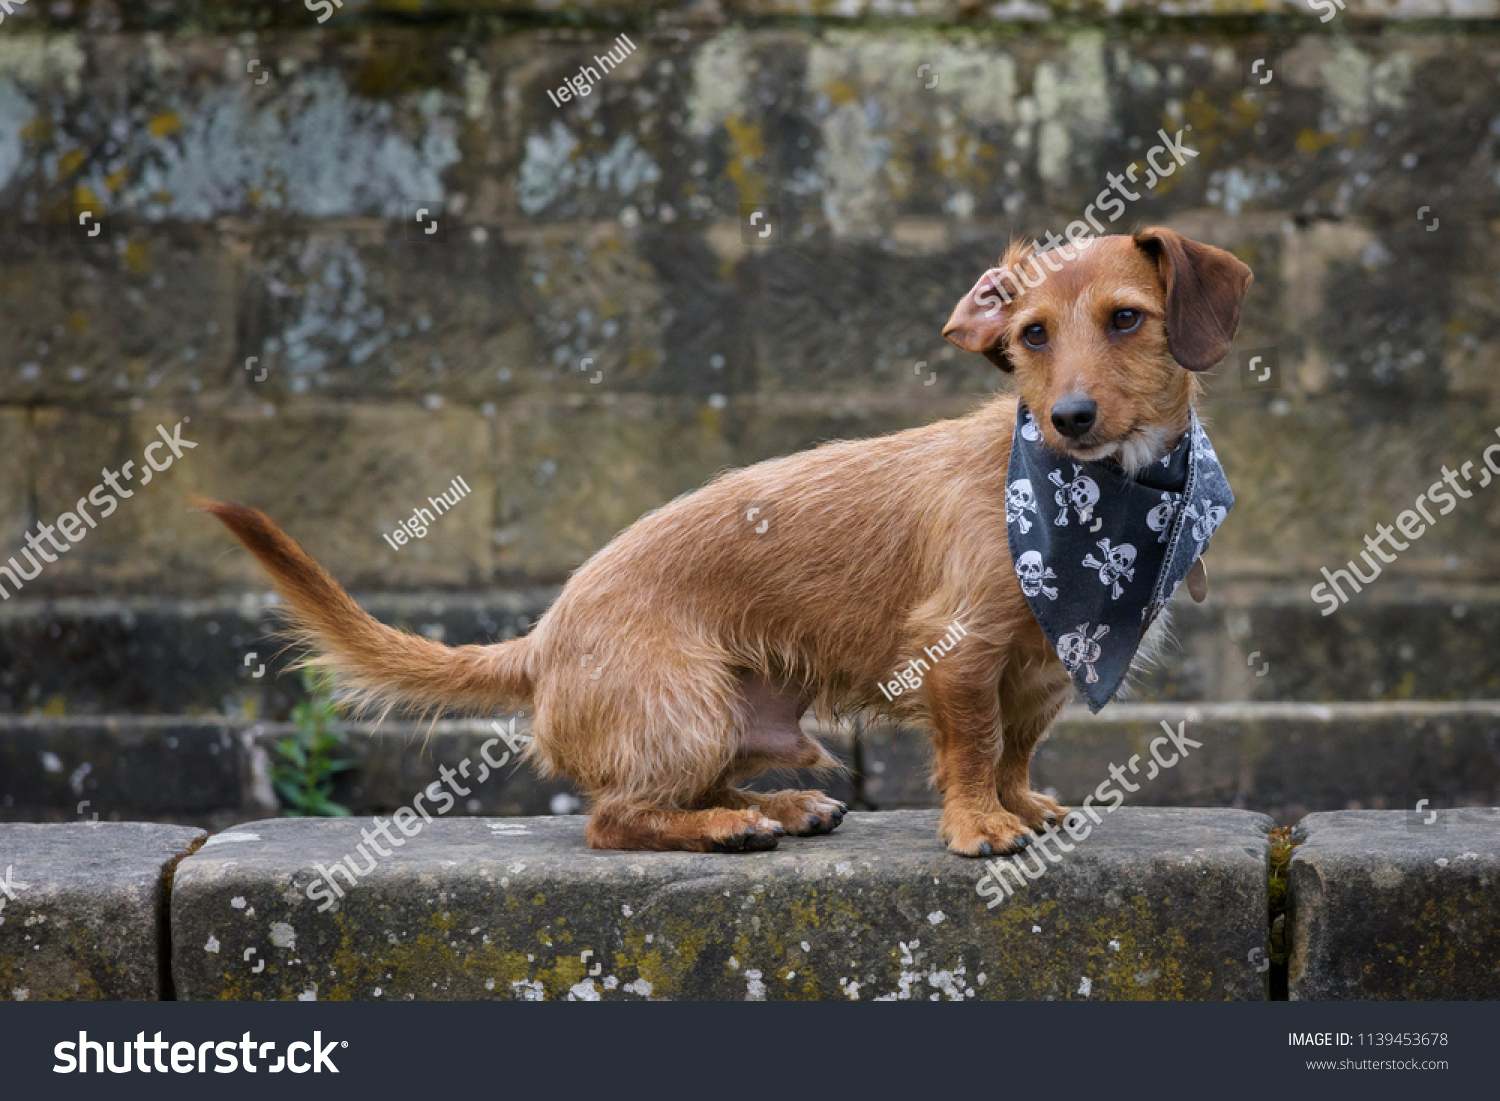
{"x":380,"y":663}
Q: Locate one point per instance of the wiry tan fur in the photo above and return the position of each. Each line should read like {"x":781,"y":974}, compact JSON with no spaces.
{"x":677,"y":661}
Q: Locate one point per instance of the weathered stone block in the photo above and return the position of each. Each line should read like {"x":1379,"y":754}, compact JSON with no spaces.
{"x":1387,"y":905}
{"x":1158,"y":904}
{"x":375,"y":311}
{"x":138,"y":312}
{"x":1315,"y":474}
{"x":1266,"y":641}
{"x":129,"y":768}
{"x":85,"y":914}
{"x":143,"y":656}
{"x":16,"y":443}
{"x":337,"y":478}
{"x":1282,"y":759}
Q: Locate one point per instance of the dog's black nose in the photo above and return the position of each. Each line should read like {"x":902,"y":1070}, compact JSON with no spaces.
{"x":1074,"y":414}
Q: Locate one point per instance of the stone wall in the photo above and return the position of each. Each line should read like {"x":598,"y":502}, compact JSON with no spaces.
{"x":597,"y":326}
{"x":262,"y":215}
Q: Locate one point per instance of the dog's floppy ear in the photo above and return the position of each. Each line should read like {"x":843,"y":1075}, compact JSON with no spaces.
{"x":978,"y":321}
{"x":1204,"y":287}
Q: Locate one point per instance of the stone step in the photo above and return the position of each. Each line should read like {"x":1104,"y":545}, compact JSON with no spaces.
{"x":1284,"y":760}
{"x":83,"y":913}
{"x":1280,"y":759}
{"x":199,"y":771}
{"x":1157,"y":903}
{"x":1395,"y":906}
{"x":1252,"y":641}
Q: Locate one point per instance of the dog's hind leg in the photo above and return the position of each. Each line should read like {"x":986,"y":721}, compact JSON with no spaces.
{"x":661,"y":752}
{"x":622,"y":825}
{"x":771,"y":737}
{"x":680,"y":739}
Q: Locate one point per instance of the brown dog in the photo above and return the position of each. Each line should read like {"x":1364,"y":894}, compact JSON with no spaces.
{"x":677,"y":661}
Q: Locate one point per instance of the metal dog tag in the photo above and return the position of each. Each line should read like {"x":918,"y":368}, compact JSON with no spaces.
{"x":1197,"y":581}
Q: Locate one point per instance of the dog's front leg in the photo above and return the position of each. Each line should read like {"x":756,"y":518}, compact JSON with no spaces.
{"x":964,"y":702}
{"x":1013,"y":771}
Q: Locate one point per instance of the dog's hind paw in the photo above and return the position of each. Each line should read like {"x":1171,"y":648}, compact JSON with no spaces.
{"x":822,"y":820}
{"x":803,"y":813}
{"x":984,"y":833}
{"x":753,"y":834}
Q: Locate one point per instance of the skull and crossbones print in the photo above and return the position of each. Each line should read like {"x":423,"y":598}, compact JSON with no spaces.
{"x":1080,"y":650}
{"x":1119,"y":561}
{"x":1159,"y":519}
{"x":1020,"y":499}
{"x":1205,"y":523}
{"x":1034,"y":575}
{"x":1082,"y":493}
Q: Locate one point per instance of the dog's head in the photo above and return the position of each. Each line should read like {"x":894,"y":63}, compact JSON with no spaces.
{"x":1098,"y":337}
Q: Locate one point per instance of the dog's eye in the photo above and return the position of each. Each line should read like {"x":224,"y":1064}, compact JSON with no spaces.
{"x":1126,"y":320}
{"x":1034,"y":335}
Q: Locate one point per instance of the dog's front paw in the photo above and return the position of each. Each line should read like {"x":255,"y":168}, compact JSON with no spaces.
{"x":983,"y":833}
{"x":1035,"y":810}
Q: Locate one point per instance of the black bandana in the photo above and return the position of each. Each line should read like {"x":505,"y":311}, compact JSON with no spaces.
{"x":1098,"y":553}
